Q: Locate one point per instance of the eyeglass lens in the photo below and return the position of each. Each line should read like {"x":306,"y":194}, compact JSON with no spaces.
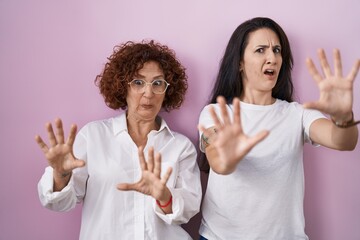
{"x":157,"y":86}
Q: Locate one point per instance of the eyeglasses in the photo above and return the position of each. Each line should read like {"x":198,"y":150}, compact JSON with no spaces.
{"x":158,"y":86}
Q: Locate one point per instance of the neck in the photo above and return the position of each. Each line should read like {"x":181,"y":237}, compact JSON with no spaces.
{"x":257,"y":98}
{"x":139,"y":129}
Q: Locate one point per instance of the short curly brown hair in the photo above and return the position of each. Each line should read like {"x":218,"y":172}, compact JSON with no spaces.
{"x":124,"y":63}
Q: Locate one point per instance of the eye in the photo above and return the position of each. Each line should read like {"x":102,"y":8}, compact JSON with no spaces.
{"x":138,"y":82}
{"x":277,"y":50}
{"x":260,"y":50}
{"x":159,"y":82}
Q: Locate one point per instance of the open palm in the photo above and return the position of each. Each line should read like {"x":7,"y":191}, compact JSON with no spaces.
{"x":336,"y":91}
{"x":60,"y":153}
{"x":231,"y":143}
{"x":151,"y":182}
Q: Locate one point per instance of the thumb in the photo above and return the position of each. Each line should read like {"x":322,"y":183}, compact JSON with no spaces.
{"x":258,"y":137}
{"x":125,"y":186}
{"x":78,"y":163}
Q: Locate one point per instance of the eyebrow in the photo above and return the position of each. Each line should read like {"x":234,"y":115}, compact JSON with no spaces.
{"x":141,"y":76}
{"x":267,"y":46}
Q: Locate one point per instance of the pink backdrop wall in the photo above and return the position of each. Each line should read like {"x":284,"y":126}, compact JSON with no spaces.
{"x":51,"y":51}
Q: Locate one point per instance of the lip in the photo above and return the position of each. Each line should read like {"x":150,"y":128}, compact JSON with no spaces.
{"x":146,"y":106}
{"x":270,"y":77}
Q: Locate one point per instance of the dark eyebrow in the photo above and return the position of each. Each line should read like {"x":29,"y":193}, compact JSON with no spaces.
{"x":263,"y":46}
{"x":267,"y":46}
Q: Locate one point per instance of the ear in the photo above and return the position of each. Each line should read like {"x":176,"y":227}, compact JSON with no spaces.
{"x":241,"y":68}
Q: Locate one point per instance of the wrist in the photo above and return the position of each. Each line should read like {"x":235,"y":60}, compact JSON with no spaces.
{"x":62,"y":175}
{"x":206,"y":140}
{"x":164,"y":204}
{"x":343,"y":118}
{"x":344,"y":121}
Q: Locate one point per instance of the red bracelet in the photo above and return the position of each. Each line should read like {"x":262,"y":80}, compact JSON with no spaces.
{"x":166,"y":204}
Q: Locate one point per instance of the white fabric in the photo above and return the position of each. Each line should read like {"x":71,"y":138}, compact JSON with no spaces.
{"x":263,"y":197}
{"x":111,"y":158}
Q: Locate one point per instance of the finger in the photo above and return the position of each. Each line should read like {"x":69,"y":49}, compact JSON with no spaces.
{"x":355,"y":69}
{"x":59,"y":131}
{"x":215,"y":118}
{"x":337,"y":63}
{"x":41,"y":144}
{"x":324,"y":63}
{"x":223,"y":110}
{"x":78,"y":163}
{"x":150,"y":160}
{"x":142,"y":161}
{"x":157,"y":166}
{"x":313,"y":105}
{"x":201,"y":128}
{"x":166,"y":176}
{"x":51,"y":134}
{"x":237,"y":117}
{"x":125,"y":186}
{"x":313,"y":71}
{"x":72,"y":134}
{"x":258,"y":138}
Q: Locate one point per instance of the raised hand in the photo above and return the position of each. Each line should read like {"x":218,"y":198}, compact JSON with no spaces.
{"x":230,"y":143}
{"x":151,"y":182}
{"x":336,"y":91}
{"x":60,"y":153}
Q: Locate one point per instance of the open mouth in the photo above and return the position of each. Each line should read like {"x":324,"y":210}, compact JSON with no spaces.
{"x":269,"y":72}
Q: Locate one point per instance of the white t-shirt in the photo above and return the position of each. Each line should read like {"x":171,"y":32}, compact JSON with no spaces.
{"x":263,"y":197}
{"x":111,"y":158}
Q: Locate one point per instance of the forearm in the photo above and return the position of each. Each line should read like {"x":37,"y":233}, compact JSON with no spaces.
{"x":344,"y":138}
{"x":343,"y":133}
{"x":63,"y":200}
{"x":326,"y":133}
{"x":186,"y":190}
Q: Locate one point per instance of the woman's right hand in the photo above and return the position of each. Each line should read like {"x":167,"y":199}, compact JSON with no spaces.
{"x":230,"y":144}
{"x":60,"y":153}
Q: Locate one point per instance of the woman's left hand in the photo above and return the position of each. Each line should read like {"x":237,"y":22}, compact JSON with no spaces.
{"x":151,"y":182}
{"x":336,"y":91}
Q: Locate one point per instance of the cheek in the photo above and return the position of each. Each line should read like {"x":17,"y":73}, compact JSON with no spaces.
{"x":252,"y":70}
{"x":131,"y":101}
{"x":161,"y":100}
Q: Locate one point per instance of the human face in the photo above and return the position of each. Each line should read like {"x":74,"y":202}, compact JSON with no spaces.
{"x":145,"y":106}
{"x":262,"y":61}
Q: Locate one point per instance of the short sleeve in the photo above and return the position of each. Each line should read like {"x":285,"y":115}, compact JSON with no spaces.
{"x":309,"y":116}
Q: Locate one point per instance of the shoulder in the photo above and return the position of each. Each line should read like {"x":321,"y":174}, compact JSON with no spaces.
{"x":179,"y":137}
{"x":180,"y":140}
{"x":215,"y":106}
{"x":99,"y":123}
{"x":96,"y":125}
{"x":289,"y":107}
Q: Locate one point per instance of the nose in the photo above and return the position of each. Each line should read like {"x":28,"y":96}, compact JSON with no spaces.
{"x":270,"y":57}
{"x":148,"y":89}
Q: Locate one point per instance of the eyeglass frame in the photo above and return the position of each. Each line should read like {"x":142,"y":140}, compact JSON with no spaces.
{"x":151,"y":85}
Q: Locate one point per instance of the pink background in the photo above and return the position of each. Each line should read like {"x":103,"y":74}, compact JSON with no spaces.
{"x":51,"y":51}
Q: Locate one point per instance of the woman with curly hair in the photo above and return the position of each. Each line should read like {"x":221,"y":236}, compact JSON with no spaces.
{"x":124,"y":192}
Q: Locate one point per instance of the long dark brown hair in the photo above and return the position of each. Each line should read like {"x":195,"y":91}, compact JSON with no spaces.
{"x":229,"y":81}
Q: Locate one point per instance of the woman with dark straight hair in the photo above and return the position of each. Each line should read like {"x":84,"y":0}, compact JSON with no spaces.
{"x":252,"y":135}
